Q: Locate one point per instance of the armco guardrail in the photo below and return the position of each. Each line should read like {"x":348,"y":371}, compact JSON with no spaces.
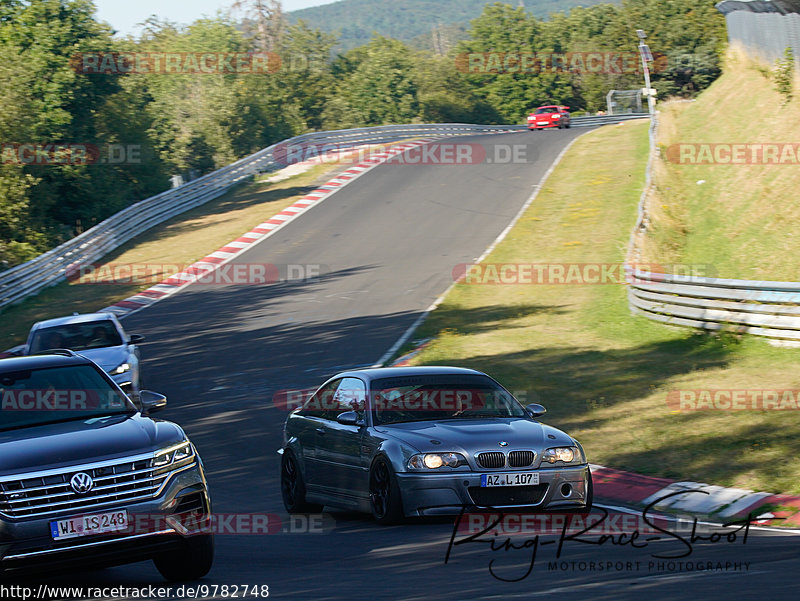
{"x":53,"y":266}
{"x":762,"y":308}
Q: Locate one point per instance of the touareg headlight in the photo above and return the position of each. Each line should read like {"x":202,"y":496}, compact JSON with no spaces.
{"x":174,"y":454}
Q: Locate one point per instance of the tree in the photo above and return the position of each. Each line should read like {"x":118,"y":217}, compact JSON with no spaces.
{"x":509,"y":87}
{"x":305,"y":81}
{"x":379,"y":88}
{"x":47,"y":101}
{"x":267,"y":15}
{"x":445,"y":96}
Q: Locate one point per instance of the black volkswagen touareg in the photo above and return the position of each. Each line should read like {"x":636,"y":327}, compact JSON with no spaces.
{"x":87,"y":479}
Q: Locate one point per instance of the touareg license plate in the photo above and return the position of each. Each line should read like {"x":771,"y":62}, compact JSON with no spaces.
{"x":510,"y":479}
{"x":86,"y":525}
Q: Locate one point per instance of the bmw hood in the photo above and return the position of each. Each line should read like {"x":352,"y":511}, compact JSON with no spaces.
{"x":472,"y":435}
{"x":109,"y":357}
{"x":51,"y":446}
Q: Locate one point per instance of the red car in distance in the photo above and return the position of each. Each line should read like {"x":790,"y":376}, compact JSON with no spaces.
{"x":549,"y":116}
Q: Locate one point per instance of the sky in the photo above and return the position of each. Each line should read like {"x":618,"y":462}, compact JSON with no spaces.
{"x":123,"y":15}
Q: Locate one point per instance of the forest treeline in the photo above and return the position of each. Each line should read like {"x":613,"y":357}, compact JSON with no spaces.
{"x":355,"y":21}
{"x":141,"y":128}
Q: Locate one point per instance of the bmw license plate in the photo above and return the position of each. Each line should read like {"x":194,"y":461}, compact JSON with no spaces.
{"x":515,"y":479}
{"x":86,"y":525}
{"x":543,"y":123}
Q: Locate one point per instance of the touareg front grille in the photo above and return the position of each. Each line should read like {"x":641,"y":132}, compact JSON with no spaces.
{"x":113,"y":483}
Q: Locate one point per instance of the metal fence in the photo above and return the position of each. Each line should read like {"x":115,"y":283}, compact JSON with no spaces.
{"x":57,"y":264}
{"x":764,"y":28}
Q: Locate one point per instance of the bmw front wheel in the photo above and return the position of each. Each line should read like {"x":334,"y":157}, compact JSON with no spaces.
{"x":384,"y":493}
{"x":293,"y":488}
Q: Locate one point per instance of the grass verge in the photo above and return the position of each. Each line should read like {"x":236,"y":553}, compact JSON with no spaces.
{"x":715,"y":208}
{"x":604,"y":374}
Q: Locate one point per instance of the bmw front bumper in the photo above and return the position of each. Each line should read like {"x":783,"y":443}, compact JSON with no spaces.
{"x":447,"y":493}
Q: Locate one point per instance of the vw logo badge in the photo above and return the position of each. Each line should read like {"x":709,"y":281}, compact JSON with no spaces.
{"x":504,"y":444}
{"x":81,"y":483}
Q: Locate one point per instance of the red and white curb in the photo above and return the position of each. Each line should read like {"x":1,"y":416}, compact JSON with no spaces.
{"x":230,"y":251}
{"x":718,"y":502}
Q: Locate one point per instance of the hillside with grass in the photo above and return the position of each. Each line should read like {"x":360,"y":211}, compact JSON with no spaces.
{"x":729,"y":212}
{"x":357,"y":20}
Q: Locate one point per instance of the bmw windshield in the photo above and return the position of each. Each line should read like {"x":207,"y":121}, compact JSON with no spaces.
{"x":426,"y":398}
{"x":35,"y":397}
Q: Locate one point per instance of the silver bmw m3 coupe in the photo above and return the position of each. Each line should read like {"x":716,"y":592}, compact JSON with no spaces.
{"x":414,"y":441}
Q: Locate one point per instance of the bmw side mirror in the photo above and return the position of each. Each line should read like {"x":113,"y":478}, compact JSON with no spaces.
{"x":151,"y":401}
{"x":535,"y":409}
{"x":349,"y":418}
{"x":136,"y":339}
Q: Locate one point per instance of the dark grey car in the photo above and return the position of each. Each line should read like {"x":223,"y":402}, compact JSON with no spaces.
{"x":401,"y":442}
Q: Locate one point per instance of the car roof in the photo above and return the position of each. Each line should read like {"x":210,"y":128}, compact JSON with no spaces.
{"x":73,"y":319}
{"x":41,"y":362}
{"x":374,"y":373}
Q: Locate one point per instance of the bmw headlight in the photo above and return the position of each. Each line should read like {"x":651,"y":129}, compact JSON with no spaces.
{"x":562,"y":454}
{"x":121,"y":369}
{"x":173,"y":454}
{"x":433,"y":461}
